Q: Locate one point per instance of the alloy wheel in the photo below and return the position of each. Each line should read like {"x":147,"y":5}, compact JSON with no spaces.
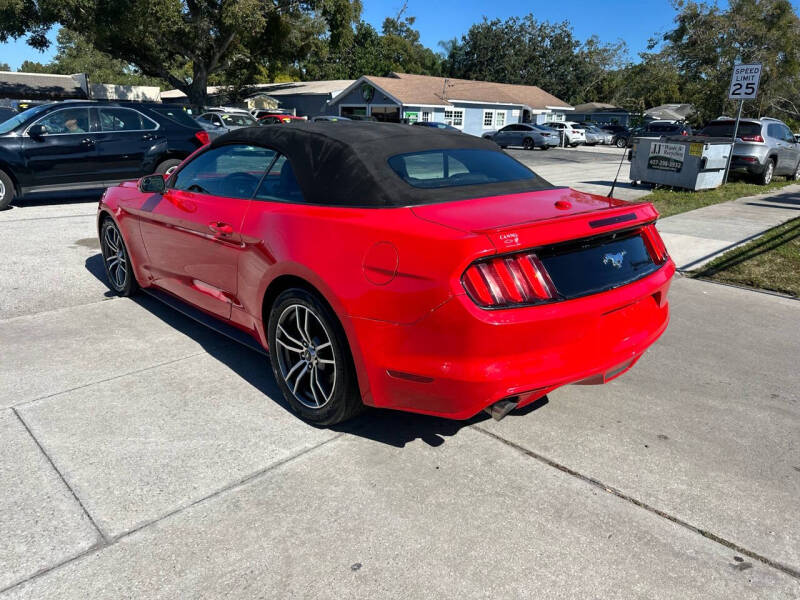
{"x":306,"y":357}
{"x":2,"y":189}
{"x":115,"y":257}
{"x":795,"y":177}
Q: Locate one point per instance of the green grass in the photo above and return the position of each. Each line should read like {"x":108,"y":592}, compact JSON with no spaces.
{"x":769,"y":262}
{"x":669,"y":202}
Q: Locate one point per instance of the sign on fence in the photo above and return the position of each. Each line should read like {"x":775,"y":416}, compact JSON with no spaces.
{"x":666,"y":157}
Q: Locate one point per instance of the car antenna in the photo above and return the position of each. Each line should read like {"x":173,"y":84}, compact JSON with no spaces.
{"x":622,"y":158}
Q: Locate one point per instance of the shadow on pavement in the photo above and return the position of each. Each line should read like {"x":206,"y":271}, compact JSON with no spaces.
{"x":391,"y":427}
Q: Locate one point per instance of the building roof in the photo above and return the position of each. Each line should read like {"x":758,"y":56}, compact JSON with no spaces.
{"x":39,"y":86}
{"x":345,"y":163}
{"x":594,"y":107}
{"x":331,"y":86}
{"x":670,"y":112}
{"x":443,"y":91}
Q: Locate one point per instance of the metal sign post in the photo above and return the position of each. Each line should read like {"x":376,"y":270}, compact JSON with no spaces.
{"x":744,"y":86}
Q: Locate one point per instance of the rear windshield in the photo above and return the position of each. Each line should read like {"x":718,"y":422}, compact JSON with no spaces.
{"x":176,"y":115}
{"x":451,"y":168}
{"x":725,"y":129}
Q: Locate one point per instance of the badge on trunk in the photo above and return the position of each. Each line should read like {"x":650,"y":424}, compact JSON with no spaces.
{"x":614,"y":259}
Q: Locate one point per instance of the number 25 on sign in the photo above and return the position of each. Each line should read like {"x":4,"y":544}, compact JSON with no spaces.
{"x":744,"y":82}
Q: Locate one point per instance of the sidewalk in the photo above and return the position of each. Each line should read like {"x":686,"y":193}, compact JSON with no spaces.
{"x":695,"y":237}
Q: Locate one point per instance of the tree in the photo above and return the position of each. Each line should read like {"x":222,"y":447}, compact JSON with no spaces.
{"x":76,"y":55}
{"x":184,"y":42}
{"x":707,"y":41}
{"x":4,"y":66}
{"x":529,"y":52}
{"x":397,"y":48}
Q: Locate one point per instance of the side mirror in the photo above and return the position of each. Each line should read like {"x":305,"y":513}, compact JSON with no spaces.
{"x":152,"y":184}
{"x":37,"y":131}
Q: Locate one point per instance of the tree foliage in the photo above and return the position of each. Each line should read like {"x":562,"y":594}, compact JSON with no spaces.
{"x":396,"y":48}
{"x":707,"y":41}
{"x":76,"y":55}
{"x":185,"y":42}
{"x":531,"y":52}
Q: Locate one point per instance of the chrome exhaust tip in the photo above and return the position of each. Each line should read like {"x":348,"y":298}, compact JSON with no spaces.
{"x":501,"y":408}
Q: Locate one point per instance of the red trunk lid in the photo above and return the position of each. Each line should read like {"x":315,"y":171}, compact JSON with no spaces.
{"x":535,"y":218}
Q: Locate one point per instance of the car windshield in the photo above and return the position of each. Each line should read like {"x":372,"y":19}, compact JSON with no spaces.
{"x":21,"y":118}
{"x":725,"y":129}
{"x":238,"y":120}
{"x":450,"y":168}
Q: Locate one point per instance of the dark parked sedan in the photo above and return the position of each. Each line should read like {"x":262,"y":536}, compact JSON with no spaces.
{"x":84,"y":145}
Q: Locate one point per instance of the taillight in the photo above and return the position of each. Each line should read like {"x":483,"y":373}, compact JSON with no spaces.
{"x":684,"y":132}
{"x":751,"y":138}
{"x":509,"y":281}
{"x":202,"y":137}
{"x":655,"y":245}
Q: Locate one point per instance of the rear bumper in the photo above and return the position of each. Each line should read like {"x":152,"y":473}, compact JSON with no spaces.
{"x":460,"y":359}
{"x":747,"y":164}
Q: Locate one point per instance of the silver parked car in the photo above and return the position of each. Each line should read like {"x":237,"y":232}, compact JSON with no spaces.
{"x":595,"y":135}
{"x":574,"y":134}
{"x":223,"y":122}
{"x":764,"y":147}
{"x":527,"y":135}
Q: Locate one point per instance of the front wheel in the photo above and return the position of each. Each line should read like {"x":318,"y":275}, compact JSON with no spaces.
{"x":117,"y":261}
{"x":311,"y":359}
{"x":796,"y":174}
{"x":6,"y":190}
{"x":527,"y":144}
{"x":621,"y":143}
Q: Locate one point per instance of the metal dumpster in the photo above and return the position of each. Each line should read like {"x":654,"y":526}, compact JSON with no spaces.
{"x":686,"y":161}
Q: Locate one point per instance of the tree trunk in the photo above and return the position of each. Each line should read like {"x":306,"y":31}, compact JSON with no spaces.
{"x":197,"y":91}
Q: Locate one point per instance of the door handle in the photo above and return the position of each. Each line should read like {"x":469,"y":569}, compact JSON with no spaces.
{"x":220,"y":228}
{"x":87,"y":142}
{"x":148,"y":136}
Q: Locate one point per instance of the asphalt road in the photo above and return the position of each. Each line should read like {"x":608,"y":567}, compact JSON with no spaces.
{"x":142,"y":455}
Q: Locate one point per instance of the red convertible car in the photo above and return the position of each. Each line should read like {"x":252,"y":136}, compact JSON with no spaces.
{"x":393,"y":266}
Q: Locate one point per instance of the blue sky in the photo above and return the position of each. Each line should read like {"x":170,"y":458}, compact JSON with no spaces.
{"x":634,"y":21}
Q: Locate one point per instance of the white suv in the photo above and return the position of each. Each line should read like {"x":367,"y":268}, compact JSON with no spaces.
{"x":573,"y":133}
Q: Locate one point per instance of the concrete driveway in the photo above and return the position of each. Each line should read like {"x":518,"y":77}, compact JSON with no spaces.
{"x":586,"y":168}
{"x":144,"y":456}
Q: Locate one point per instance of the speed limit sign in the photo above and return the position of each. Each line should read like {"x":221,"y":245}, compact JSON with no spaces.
{"x":744,"y":82}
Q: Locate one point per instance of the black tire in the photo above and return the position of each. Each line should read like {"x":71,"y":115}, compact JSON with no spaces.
{"x":7,"y":191}
{"x":621,"y":143}
{"x":545,"y":147}
{"x":796,"y":175}
{"x":165,"y":165}
{"x":336,"y":393}
{"x":769,"y":171}
{"x":527,"y":144}
{"x":116,"y":260}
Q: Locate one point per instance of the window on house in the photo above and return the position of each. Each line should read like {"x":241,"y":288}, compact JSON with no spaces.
{"x":454,"y":117}
{"x":488,"y":118}
{"x":426,"y":116}
{"x":500,"y":119}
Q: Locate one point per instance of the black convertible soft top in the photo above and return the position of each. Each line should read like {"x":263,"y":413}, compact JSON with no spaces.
{"x":345,"y":162}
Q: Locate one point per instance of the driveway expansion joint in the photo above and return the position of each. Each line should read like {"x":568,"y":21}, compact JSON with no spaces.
{"x":106,"y":542}
{"x":103,"y":537}
{"x":792,"y":572}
